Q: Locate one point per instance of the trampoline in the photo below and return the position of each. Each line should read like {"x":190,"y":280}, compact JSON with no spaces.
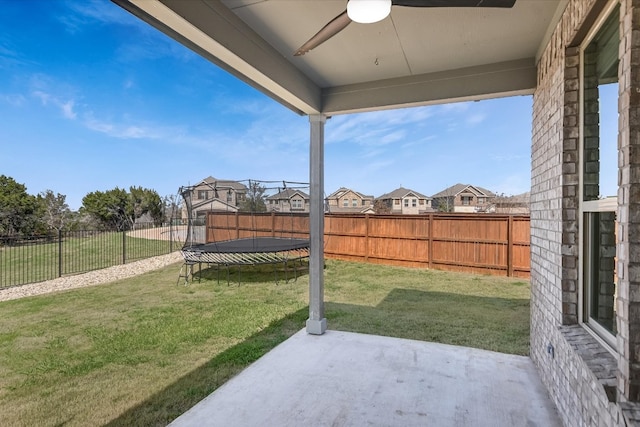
{"x":287,"y":252}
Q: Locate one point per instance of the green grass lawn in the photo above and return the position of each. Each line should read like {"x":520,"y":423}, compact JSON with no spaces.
{"x":142,"y":351}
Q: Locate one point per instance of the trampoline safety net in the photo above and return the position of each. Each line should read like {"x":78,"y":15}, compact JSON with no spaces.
{"x":247,"y":222}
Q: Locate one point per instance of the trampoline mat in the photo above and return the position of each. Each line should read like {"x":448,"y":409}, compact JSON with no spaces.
{"x":251,"y":245}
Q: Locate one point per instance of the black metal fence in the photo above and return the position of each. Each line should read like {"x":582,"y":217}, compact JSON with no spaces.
{"x":29,"y":259}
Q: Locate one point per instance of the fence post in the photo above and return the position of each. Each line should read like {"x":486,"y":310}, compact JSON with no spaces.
{"x":59,"y":252}
{"x":366,"y":237}
{"x":124,"y":246}
{"x":171,"y":235}
{"x":430,"y":241}
{"x":510,"y":246}
{"x":273,"y":225}
{"x":237,"y":226}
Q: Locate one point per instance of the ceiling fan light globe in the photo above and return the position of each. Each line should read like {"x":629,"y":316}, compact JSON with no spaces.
{"x":368,"y":11}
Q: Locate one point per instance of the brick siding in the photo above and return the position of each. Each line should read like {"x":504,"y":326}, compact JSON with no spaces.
{"x":583,"y":378}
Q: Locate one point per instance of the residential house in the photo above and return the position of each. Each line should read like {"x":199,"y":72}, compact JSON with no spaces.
{"x":404,"y":201}
{"x":345,"y":200}
{"x":518,"y":204}
{"x":288,"y":200}
{"x":463,"y":198}
{"x":212,"y":194}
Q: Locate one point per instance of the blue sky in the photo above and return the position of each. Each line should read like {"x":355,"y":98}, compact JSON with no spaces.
{"x":92,"y":98}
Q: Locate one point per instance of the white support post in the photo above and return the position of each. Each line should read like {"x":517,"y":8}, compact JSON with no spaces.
{"x":317,"y":323}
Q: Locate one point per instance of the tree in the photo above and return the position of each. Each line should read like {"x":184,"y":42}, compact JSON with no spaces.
{"x":145,"y":201}
{"x":118,"y":209}
{"x":18,"y":209}
{"x":445,"y":202}
{"x":255,"y":199}
{"x":109,"y":208}
{"x":55,"y":211}
{"x":381,"y":207}
{"x":172,"y":206}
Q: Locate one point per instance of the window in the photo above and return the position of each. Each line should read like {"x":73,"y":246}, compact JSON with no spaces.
{"x":345,"y":203}
{"x":421,"y":202}
{"x":229,"y":196}
{"x":414,"y":203}
{"x":406,"y":203}
{"x":354,"y":202}
{"x":599,"y":170}
{"x":202,"y":195}
{"x":396,"y":202}
{"x":297,"y":203}
{"x":466,"y":200}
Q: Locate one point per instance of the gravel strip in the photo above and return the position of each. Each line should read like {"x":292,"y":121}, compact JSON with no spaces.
{"x":91,"y":278}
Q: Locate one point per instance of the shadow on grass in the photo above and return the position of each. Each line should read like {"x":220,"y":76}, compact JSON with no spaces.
{"x":498,"y":324}
{"x":258,"y":273}
{"x":489,"y":323}
{"x":165,"y":406}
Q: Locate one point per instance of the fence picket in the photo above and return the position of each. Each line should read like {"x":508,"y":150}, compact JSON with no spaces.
{"x":477,"y":243}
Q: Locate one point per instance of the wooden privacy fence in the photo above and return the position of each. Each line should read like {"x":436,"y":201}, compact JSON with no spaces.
{"x":477,"y":243}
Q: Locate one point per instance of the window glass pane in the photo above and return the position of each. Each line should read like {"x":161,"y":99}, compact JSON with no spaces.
{"x":600,"y":112}
{"x":600,"y":268}
{"x":609,"y":140}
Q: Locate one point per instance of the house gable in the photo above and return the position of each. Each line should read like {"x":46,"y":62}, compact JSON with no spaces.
{"x":288,"y":200}
{"x":464,"y":198}
{"x":404,"y":201}
{"x":346,"y":200}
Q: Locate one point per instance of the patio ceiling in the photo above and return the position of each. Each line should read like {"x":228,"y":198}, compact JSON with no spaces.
{"x":416,"y":56}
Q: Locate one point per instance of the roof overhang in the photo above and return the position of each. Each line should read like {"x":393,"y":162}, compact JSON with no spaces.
{"x":415,"y":57}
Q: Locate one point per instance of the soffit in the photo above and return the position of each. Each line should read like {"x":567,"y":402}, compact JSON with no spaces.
{"x":416,"y":56}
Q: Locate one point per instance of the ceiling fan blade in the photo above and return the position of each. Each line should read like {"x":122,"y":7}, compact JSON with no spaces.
{"x":454,"y":3}
{"x":336,"y":25}
{"x":341,"y":21}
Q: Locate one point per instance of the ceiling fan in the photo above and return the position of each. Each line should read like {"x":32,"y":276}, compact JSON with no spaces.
{"x":369,"y":11}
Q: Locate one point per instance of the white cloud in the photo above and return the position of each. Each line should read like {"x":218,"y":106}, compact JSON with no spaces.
{"x":417,"y":142}
{"x":391,"y":137}
{"x":15,"y":100}
{"x":476,"y":118}
{"x":457,"y":107}
{"x":65,"y":107}
{"x":90,"y":12}
{"x":42,"y":96}
{"x":363,"y":126}
{"x":128,"y":130}
{"x":67,"y":110}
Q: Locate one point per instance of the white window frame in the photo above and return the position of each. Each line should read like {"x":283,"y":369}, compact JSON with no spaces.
{"x":607,"y":204}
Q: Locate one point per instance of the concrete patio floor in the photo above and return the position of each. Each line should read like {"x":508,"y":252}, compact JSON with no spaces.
{"x":349,"y":379}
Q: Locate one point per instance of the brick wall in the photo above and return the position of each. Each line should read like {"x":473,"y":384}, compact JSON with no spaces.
{"x":578,"y":371}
